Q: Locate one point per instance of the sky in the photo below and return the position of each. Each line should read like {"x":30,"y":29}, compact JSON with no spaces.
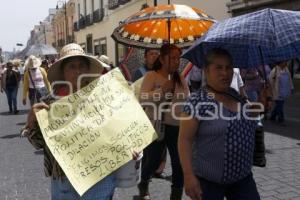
{"x":17,"y":19}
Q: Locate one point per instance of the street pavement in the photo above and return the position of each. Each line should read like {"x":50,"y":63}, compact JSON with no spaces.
{"x":22,"y":176}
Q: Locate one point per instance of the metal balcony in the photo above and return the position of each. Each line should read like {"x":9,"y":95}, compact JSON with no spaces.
{"x":88,"y":20}
{"x":113,"y":4}
{"x":76,"y":26}
{"x":70,"y":39}
{"x":122,"y":2}
{"x":82,"y":23}
{"x":98,"y":15}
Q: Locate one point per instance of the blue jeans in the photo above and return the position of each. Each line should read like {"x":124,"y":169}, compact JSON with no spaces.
{"x":35,"y":95}
{"x":244,"y":189}
{"x":11,"y":93}
{"x":103,"y":190}
{"x":152,"y":157}
{"x":278,"y":111}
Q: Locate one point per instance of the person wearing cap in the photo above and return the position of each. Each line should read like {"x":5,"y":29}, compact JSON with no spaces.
{"x":72,"y":63}
{"x":10,"y":83}
{"x":36,"y":84}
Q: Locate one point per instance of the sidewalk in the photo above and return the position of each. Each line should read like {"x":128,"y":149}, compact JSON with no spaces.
{"x":281,"y":178}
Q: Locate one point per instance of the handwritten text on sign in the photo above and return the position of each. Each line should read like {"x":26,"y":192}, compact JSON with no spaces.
{"x":94,"y":131}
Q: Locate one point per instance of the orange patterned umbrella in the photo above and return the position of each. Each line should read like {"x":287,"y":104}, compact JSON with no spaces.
{"x":154,"y":26}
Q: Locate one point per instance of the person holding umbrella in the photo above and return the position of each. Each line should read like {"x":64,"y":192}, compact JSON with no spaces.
{"x":157,"y":88}
{"x":215,"y":145}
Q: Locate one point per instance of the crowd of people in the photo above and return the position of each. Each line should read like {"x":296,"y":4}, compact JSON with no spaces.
{"x":211,"y":156}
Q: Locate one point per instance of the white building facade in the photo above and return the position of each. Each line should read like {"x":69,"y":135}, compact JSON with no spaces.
{"x":96,"y":20}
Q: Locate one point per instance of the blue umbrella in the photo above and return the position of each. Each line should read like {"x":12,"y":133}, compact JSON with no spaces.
{"x":261,"y":37}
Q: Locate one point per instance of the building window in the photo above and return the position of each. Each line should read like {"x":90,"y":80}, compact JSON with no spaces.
{"x":89,"y":44}
{"x":100,"y":47}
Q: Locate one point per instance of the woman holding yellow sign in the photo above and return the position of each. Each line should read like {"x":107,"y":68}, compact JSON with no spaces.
{"x":73,"y":63}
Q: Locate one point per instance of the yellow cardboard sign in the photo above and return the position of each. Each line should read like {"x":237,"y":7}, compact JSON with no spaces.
{"x":94,"y":131}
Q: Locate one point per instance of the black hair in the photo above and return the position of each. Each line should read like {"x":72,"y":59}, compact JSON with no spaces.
{"x":278,"y":63}
{"x":44,"y":62}
{"x":9,"y":64}
{"x":67,"y":60}
{"x":216,"y":52}
{"x":147,"y":50}
{"x":164,"y":51}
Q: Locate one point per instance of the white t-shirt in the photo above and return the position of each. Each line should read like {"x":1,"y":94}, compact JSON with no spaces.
{"x":237,"y":81}
{"x":21,"y":70}
{"x":37,"y":78}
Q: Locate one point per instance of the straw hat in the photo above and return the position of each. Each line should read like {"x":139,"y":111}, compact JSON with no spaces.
{"x":16,"y":62}
{"x":104,"y":61}
{"x":32,"y":62}
{"x":55,"y":72}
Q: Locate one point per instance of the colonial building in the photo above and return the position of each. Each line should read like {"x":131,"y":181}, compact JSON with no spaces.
{"x":62,"y":24}
{"x":96,"y":19}
{"x":43,"y":32}
{"x":239,"y":7}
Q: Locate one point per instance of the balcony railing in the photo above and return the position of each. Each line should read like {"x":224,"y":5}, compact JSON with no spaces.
{"x":82,"y":23}
{"x":76,"y":26}
{"x":70,"y":39}
{"x":88,"y":20}
{"x":113,"y":4}
{"x":98,"y":15}
{"x":61,"y":43}
{"x":122,"y":2}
